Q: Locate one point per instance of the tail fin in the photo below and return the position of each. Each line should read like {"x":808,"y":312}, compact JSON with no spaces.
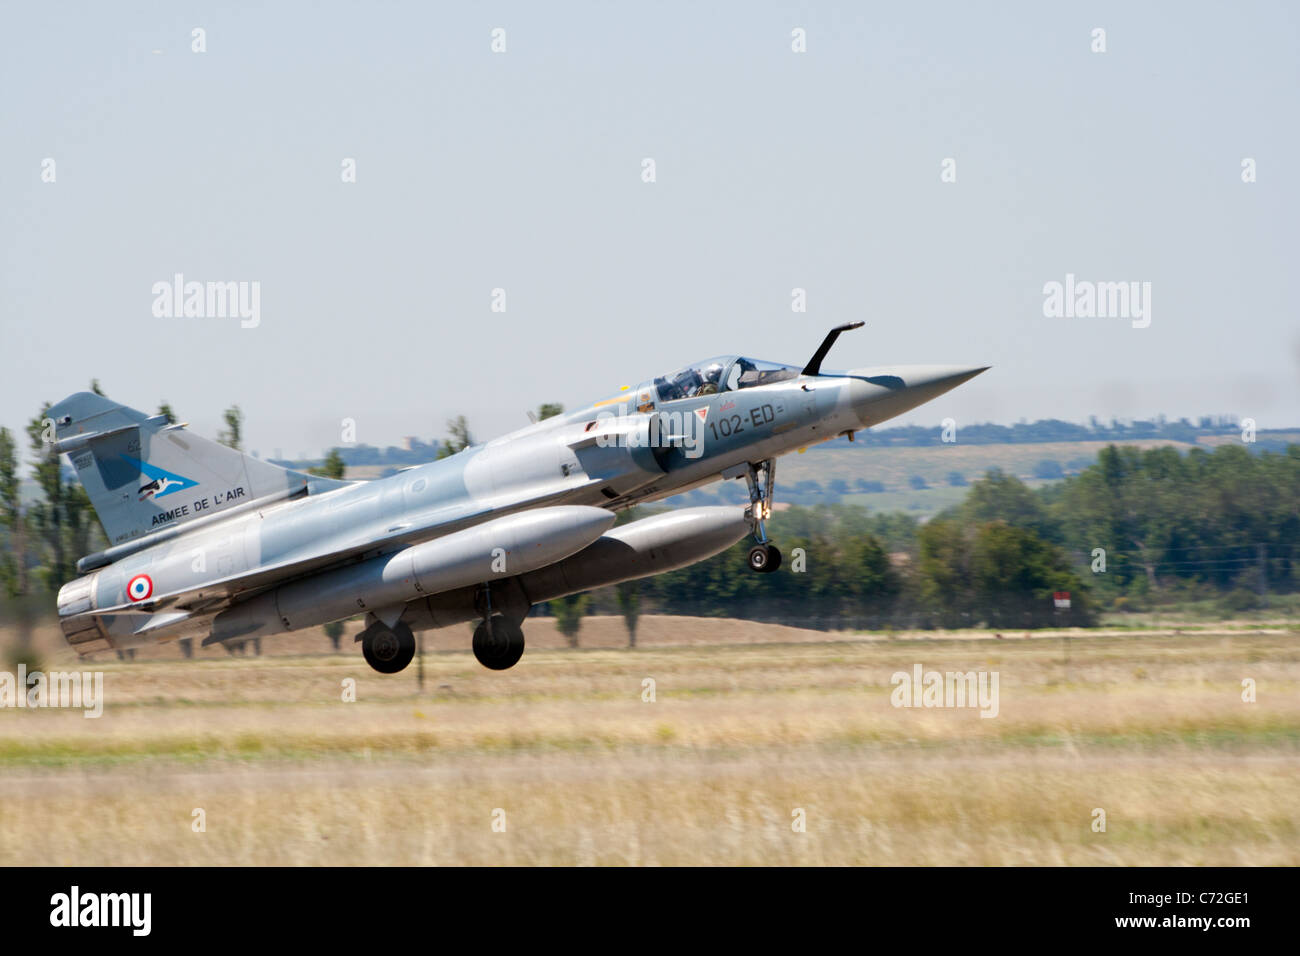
{"x":143,"y":475}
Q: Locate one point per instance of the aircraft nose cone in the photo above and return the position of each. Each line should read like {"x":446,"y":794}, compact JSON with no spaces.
{"x":941,"y":378}
{"x":887,"y":392}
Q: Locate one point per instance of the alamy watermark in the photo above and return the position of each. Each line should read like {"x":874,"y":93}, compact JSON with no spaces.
{"x":179,"y":299}
{"x":1085,"y":299}
{"x":671,"y":429}
{"x":73,"y":689}
{"x":922,"y":688}
{"x":132,"y":911}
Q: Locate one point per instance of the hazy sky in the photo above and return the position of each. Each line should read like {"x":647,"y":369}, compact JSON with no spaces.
{"x":523,"y":170}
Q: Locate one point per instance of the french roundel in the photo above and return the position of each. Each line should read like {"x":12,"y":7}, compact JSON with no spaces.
{"x":139,"y":587}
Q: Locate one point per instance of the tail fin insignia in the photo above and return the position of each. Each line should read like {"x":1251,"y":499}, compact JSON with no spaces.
{"x":143,"y":474}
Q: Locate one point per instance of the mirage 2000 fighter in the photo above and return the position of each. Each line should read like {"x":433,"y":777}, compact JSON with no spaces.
{"x":212,"y":544}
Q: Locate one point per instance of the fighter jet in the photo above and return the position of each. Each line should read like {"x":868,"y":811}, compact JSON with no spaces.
{"x":211,"y":544}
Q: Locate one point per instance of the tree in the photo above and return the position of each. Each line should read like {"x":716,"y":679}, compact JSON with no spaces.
{"x":458,"y":438}
{"x":568,"y":613}
{"x":549,"y":410}
{"x":47,"y":515}
{"x":233,"y":436}
{"x":869,"y":576}
{"x":94,"y":387}
{"x":61,"y":519}
{"x":996,"y":573}
{"x":629,"y":605}
{"x":1002,"y":497}
{"x":334,"y":631}
{"x":943,"y":569}
{"x":81,"y":526}
{"x":333,"y":467}
{"x":10,"y":514}
{"x":1118,"y":505}
{"x":1013,"y":575}
{"x":13,"y":568}
{"x":165,"y":410}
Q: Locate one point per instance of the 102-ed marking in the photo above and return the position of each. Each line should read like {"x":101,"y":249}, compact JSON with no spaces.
{"x":728,"y":425}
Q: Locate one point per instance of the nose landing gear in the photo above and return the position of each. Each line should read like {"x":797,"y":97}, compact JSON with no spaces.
{"x":764,"y":557}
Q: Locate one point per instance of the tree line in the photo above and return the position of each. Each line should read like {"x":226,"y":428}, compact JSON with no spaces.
{"x":1135,"y":529}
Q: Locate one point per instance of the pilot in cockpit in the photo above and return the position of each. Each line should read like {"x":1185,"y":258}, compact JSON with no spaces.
{"x":710,"y":380}
{"x":694,"y":381}
{"x":706,"y":377}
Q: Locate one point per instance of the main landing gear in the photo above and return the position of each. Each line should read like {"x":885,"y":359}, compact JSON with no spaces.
{"x":387,"y":649}
{"x":498,"y":640}
{"x":764,"y":557}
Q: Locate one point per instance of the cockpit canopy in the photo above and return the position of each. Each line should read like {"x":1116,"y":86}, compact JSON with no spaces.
{"x":726,"y":373}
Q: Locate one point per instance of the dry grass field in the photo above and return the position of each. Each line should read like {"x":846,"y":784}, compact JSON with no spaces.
{"x":749,"y":724}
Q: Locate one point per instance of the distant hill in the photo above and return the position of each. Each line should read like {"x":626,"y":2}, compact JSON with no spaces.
{"x":1207,"y":429}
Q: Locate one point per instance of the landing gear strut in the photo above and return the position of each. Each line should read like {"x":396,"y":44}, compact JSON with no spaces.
{"x":387,"y":649}
{"x":764,"y":557}
{"x":498,"y":640}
